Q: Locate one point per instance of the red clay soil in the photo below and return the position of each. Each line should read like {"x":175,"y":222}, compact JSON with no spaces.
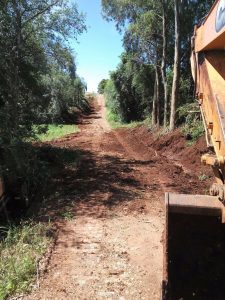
{"x":175,"y":147}
{"x":109,"y":210}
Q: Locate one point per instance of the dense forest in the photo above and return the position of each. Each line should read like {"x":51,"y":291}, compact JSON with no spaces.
{"x":38,"y":80}
{"x":154,"y":76}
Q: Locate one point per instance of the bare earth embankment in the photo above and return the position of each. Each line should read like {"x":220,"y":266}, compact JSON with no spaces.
{"x":112,"y":248}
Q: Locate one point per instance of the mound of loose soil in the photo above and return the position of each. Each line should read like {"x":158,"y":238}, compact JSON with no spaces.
{"x":173,"y":146}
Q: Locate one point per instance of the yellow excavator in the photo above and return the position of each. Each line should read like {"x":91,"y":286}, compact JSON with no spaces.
{"x":194,"y":250}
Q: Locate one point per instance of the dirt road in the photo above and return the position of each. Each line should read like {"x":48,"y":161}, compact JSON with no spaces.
{"x":109,"y":213}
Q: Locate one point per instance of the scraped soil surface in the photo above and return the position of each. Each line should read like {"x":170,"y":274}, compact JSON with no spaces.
{"x":109,"y":210}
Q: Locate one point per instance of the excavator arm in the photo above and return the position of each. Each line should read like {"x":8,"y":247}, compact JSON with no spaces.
{"x":208,"y":69}
{"x":194,"y":265}
{"x":210,"y":33}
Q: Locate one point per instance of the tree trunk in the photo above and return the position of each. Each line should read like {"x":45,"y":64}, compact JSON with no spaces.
{"x":176,"y":70}
{"x":163,"y":64}
{"x":158,"y":97}
{"x":155,"y":104}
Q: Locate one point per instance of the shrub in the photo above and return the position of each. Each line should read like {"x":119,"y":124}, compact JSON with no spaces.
{"x":190,"y":115}
{"x":20,"y":252}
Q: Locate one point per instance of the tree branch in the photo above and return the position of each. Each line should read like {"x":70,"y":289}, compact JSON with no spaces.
{"x":40,"y":12}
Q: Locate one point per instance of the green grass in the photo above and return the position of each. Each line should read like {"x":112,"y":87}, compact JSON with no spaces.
{"x":67,"y":215}
{"x":115,"y":123}
{"x":195,"y":130}
{"x":57,"y":131}
{"x":20,"y":252}
{"x":202,"y":177}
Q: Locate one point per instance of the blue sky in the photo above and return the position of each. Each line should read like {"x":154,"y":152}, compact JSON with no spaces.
{"x":99,"y":49}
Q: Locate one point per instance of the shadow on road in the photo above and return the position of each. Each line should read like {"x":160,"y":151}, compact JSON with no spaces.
{"x":88,"y":184}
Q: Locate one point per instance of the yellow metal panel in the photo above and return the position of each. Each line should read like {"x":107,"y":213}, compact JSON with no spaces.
{"x":211,"y":34}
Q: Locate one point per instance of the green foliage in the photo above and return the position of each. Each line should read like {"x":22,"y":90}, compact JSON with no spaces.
{"x":113,"y":120}
{"x":185,"y":91}
{"x":114,"y":123}
{"x":67,"y":214}
{"x":102,"y":85}
{"x":193,"y":127}
{"x":189,"y":112}
{"x":33,"y":46}
{"x":202,"y":177}
{"x":20,"y":252}
{"x":57,"y":131}
{"x":38,"y":82}
{"x":66,"y":89}
{"x":112,"y":102}
{"x":128,"y":92}
{"x":149,"y":43}
{"x":141,"y":22}
{"x":25,"y":172}
{"x":196,"y":130}
{"x":114,"y":109}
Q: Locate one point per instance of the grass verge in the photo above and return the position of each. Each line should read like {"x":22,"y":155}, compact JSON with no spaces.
{"x":115,"y":123}
{"x":194,"y":130}
{"x":20,"y":252}
{"x":57,"y":131}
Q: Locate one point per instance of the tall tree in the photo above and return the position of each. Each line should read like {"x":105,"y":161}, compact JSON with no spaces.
{"x":143,"y":41}
{"x":145,"y":22}
{"x":133,"y":91}
{"x":146,"y":38}
{"x":164,"y":4}
{"x":176,"y":68}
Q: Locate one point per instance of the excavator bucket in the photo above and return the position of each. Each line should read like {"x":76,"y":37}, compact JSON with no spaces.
{"x":194,"y":248}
